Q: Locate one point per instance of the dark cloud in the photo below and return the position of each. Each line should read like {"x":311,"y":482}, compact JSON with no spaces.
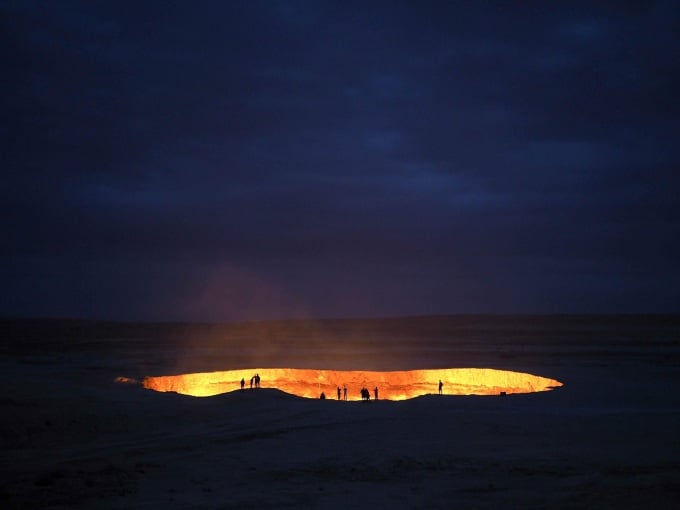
{"x":271,"y":159}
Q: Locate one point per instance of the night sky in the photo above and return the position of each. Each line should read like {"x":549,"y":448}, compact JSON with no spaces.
{"x":258,"y":160}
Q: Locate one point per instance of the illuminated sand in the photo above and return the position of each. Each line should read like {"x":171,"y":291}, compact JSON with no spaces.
{"x":392,"y":385}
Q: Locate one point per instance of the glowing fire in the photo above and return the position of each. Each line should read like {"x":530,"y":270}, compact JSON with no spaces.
{"x":397,"y":385}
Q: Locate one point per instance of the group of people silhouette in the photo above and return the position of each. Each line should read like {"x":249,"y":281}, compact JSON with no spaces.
{"x":343,"y":392}
{"x":254,"y":380}
{"x":365,"y":393}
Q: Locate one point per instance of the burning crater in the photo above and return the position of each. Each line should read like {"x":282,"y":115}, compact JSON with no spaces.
{"x":395,"y":385}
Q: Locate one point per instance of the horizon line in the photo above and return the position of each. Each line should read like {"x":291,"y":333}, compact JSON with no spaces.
{"x":334,"y":319}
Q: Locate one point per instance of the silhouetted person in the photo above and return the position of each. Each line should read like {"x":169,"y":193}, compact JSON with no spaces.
{"x":257,"y":380}
{"x":251,"y":382}
{"x":338,"y":392}
{"x":441,"y":385}
{"x":322,"y":396}
{"x":375,"y":392}
{"x":344,"y":392}
{"x":243,"y":383}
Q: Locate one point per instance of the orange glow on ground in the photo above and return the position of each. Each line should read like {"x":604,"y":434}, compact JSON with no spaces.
{"x":396,"y":385}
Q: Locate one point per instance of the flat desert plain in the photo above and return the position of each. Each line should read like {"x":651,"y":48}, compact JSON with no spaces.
{"x":73,"y":437}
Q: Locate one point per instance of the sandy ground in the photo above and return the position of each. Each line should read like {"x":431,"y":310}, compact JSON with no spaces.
{"x":610,"y":438}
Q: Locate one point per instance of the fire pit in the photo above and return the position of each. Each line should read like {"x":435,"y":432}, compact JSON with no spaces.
{"x":393,"y":385}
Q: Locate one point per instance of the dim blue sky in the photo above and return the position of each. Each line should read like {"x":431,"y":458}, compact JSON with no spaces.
{"x":270,"y":159}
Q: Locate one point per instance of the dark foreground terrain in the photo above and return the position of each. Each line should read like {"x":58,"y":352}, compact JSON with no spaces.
{"x":72,"y":437}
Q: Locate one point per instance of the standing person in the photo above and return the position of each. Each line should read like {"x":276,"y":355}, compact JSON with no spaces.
{"x":441,"y":385}
{"x":344,"y":392}
{"x":251,"y":382}
{"x":338,"y":392}
{"x":243,"y":383}
{"x":257,"y":380}
{"x":375,"y":392}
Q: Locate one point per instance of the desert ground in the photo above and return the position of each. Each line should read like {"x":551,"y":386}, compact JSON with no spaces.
{"x":73,"y":437}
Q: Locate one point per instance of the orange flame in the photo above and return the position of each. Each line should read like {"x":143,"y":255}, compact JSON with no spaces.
{"x":395,"y":385}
